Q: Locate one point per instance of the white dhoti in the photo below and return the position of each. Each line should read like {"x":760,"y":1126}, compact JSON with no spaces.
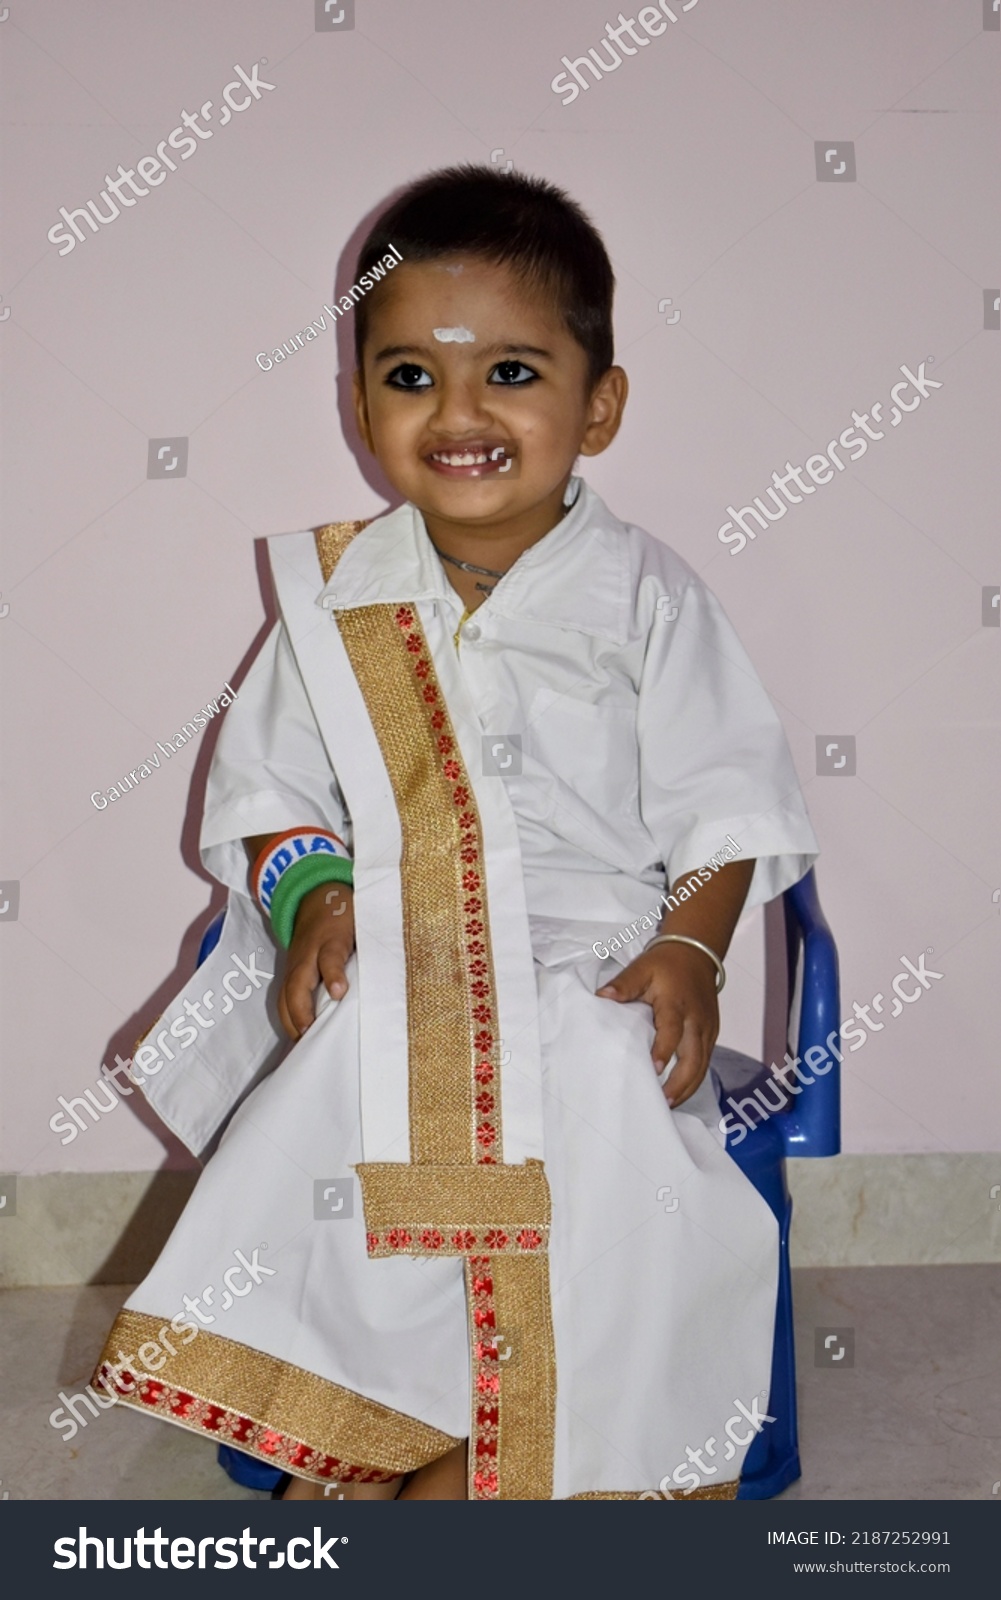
{"x":460,"y":1206}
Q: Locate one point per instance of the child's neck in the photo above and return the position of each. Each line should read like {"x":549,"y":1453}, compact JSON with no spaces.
{"x":493,"y":549}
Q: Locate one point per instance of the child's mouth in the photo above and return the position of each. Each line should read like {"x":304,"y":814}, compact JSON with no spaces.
{"x":476,"y":460}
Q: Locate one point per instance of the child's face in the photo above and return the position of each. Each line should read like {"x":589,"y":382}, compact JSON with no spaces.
{"x":428,"y":405}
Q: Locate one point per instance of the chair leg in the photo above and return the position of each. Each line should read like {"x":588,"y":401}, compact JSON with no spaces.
{"x":772,"y":1462}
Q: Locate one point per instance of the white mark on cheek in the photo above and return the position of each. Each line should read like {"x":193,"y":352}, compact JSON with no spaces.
{"x":455,"y":336}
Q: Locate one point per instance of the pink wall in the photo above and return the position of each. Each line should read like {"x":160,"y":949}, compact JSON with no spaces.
{"x":131,"y":600}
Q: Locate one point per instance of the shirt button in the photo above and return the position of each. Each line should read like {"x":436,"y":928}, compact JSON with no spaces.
{"x":472,"y":631}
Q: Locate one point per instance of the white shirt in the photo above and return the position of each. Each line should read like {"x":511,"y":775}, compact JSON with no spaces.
{"x":646,"y":736}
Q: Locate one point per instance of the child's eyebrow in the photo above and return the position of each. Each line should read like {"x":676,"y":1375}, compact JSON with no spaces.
{"x":395,"y":352}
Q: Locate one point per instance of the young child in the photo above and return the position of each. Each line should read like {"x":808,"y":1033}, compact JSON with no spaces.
{"x":486,"y":1245}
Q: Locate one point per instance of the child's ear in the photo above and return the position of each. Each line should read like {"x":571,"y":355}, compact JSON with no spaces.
{"x":361,"y":409}
{"x":604,"y":412}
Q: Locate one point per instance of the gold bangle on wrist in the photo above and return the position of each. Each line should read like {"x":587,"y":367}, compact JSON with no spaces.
{"x":683,"y":938}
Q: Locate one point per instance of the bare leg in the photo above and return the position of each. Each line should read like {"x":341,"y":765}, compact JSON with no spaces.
{"x":444,"y":1479}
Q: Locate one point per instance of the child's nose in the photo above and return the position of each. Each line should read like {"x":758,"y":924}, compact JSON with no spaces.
{"x":462,"y":406}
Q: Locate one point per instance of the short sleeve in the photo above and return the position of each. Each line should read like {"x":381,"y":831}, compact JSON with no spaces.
{"x":714,"y":760}
{"x":270,"y":769}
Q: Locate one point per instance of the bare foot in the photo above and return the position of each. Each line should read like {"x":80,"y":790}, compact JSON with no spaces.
{"x":444,"y":1479}
{"x":306,"y":1489}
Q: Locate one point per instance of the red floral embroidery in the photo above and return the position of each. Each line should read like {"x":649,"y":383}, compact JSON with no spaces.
{"x":205,"y":1416}
{"x":485,"y":1480}
{"x":465,"y":1240}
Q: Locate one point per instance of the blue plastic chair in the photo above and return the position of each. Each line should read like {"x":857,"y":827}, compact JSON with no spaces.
{"x":809,"y":1126}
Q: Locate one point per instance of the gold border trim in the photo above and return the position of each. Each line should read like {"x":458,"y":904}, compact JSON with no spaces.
{"x":269,"y":1408}
{"x":451,"y":1013}
{"x":712,"y":1491}
{"x":523,"y":1312}
{"x":432,"y":1210}
{"x":332,"y":540}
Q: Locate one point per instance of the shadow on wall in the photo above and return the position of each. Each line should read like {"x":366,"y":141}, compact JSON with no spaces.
{"x":148,"y":1228}
{"x":123,"y":1041}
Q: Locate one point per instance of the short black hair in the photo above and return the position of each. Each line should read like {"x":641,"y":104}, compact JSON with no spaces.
{"x":511,"y":220}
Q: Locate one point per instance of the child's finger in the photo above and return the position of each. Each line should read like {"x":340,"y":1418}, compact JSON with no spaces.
{"x":333,"y":961}
{"x":295,"y":1002}
{"x":669,"y":1026}
{"x":630,"y":984}
{"x":690,"y":1068}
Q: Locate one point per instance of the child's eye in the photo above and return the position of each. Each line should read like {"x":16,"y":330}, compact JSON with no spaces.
{"x":409,"y":376}
{"x":512,"y":373}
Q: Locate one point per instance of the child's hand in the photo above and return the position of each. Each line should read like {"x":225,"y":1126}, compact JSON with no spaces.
{"x":323,"y":938}
{"x":679,"y":982}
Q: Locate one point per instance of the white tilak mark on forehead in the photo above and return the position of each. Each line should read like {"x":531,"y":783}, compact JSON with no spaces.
{"x":455,"y":336}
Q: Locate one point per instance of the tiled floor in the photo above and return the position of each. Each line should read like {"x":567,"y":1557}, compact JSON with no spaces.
{"x":917,"y":1417}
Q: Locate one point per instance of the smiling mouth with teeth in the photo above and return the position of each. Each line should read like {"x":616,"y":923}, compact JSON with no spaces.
{"x":475,"y":460}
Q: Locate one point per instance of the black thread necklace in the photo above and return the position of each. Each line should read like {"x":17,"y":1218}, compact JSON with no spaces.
{"x":467,"y":566}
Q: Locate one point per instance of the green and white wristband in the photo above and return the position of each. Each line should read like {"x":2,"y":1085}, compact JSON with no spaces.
{"x":290,"y":867}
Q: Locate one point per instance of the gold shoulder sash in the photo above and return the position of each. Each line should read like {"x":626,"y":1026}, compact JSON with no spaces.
{"x":456,"y":1196}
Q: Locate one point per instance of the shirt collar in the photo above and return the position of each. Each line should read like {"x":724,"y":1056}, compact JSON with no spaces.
{"x":576,"y":577}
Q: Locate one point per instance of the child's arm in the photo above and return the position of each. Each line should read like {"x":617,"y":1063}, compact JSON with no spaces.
{"x":323,"y":938}
{"x":679,"y":982}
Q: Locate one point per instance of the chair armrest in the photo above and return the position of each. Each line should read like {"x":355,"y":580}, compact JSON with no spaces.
{"x":812,"y":1126}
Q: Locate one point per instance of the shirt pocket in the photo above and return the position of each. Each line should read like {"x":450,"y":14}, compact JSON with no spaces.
{"x":592,"y":749}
